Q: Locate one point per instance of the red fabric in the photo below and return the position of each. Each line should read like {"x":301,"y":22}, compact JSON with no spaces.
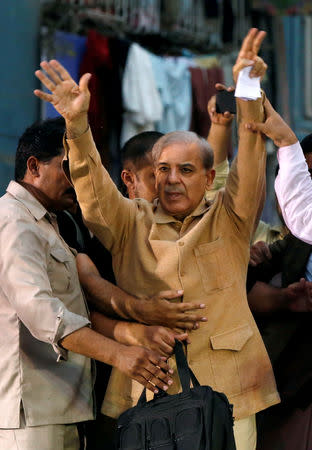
{"x":97,"y":61}
{"x":203,"y":88}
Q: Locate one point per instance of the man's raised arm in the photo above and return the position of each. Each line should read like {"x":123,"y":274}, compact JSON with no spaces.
{"x":107,"y":213}
{"x":293,"y":184}
{"x":245,"y":184}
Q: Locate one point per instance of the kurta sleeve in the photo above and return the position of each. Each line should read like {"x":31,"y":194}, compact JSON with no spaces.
{"x":293,"y":186}
{"x":246,"y":181}
{"x":106,"y":212}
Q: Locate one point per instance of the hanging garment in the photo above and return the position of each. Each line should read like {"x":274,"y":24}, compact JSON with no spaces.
{"x":174,"y":84}
{"x":97,"y":62}
{"x":69,"y":50}
{"x":203,"y":88}
{"x":141,"y":99}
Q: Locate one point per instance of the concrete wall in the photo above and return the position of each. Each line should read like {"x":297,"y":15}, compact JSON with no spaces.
{"x":19,"y":50}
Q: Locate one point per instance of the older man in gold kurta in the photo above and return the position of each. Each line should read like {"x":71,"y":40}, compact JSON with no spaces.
{"x":181,"y":241}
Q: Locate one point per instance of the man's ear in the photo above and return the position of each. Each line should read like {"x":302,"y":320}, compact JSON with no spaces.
{"x":33,"y":166}
{"x":211,"y":173}
{"x":128,"y":178}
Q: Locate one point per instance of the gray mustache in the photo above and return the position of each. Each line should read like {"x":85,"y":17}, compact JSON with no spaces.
{"x":175,"y":189}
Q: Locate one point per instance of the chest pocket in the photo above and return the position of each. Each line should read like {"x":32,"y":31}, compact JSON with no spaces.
{"x":59,"y":270}
{"x":215,"y":265}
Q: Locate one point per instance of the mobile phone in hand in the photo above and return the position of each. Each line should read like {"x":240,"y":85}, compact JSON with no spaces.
{"x":225,"y":101}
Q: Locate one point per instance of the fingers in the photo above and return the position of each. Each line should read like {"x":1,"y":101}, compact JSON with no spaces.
{"x":258,"y":39}
{"x":248,"y":41}
{"x":181,"y":337}
{"x":43,"y":95}
{"x":55,"y":77}
{"x":191,"y":306}
{"x":193,"y":318}
{"x":60,"y":69}
{"x":259,"y":252}
{"x":45,"y":80}
{"x":220,"y":87}
{"x":255,"y":127}
{"x":84,"y":81}
{"x":170,"y":294}
{"x":259,"y":68}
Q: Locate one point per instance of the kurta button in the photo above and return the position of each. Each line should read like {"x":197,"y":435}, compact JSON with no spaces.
{"x":181,"y":243}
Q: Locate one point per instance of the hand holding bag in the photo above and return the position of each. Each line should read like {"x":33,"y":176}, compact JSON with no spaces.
{"x":198,"y":418}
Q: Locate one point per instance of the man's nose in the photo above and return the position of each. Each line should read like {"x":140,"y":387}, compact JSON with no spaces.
{"x":173,"y":176}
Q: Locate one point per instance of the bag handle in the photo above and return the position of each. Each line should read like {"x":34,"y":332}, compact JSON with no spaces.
{"x":185,"y":374}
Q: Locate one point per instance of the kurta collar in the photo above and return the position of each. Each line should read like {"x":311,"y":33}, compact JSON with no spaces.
{"x":162,"y":217}
{"x":25,"y":197}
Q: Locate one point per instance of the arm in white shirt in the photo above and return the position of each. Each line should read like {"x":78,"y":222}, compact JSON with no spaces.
{"x":293,"y":187}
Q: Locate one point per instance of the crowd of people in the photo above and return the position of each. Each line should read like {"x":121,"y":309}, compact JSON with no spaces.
{"x":95,"y":278}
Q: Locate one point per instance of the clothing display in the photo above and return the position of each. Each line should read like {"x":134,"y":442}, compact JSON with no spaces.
{"x":177,"y":115}
{"x":141,"y":99}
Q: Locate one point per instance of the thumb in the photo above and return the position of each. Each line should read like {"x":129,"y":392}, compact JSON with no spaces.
{"x":181,"y":337}
{"x":84,"y":81}
{"x":255,"y":126}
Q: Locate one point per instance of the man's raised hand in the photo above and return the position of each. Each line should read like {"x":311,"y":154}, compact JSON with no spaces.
{"x":225,"y":118}
{"x":248,"y":55}
{"x":68,"y":98}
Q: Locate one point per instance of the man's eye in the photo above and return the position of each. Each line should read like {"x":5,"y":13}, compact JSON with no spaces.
{"x":186,"y":170}
{"x":163,"y":169}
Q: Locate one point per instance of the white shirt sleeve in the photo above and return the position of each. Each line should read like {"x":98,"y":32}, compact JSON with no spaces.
{"x":293,"y":187}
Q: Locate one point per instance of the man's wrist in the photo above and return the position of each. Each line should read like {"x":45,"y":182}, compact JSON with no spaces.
{"x":286,"y":141}
{"x":77,"y":127}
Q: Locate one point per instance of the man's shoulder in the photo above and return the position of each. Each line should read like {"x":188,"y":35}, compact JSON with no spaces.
{"x":12,"y":210}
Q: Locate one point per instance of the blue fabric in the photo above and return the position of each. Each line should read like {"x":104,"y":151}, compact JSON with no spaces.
{"x":69,"y":51}
{"x":173,"y":81}
{"x":308,"y":272}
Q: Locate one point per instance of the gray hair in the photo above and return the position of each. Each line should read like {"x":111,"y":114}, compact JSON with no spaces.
{"x":188,"y":138}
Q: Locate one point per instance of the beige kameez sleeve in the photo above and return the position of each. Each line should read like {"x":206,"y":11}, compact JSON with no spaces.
{"x":106,"y":212}
{"x":246,"y":181}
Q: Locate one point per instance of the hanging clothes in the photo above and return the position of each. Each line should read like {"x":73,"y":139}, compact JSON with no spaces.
{"x":69,"y":50}
{"x":141,"y":99}
{"x":97,"y":62}
{"x":174,"y":84}
{"x":203,"y":88}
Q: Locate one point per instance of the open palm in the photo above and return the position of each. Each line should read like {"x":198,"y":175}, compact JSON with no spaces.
{"x":69,"y":99}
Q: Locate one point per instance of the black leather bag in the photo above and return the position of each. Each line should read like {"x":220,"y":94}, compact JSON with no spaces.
{"x":196,"y":419}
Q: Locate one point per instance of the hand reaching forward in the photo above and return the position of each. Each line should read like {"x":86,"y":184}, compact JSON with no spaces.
{"x":299,"y":296}
{"x":259,"y":252}
{"x":274,"y":127}
{"x":69,"y":99}
{"x":248,"y":55}
{"x":144,"y":366}
{"x":157,"y":338}
{"x":158,"y":310}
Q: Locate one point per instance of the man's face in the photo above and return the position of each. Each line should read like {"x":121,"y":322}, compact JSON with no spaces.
{"x":53,"y":183}
{"x":144,"y":183}
{"x":181,"y":179}
{"x":308,"y":158}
